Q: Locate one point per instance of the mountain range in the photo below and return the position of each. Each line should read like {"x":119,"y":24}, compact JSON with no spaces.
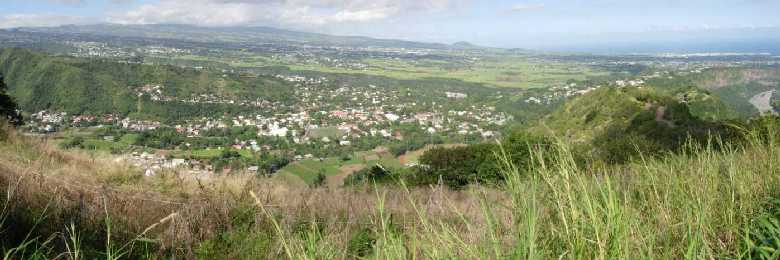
{"x":246,"y":35}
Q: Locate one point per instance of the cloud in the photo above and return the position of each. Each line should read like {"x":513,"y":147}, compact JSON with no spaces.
{"x":295,"y":13}
{"x":189,"y":13}
{"x":68,"y":2}
{"x":83,"y":2}
{"x":39,"y":20}
{"x":526,"y":7}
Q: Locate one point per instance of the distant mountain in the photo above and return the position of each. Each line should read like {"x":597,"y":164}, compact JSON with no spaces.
{"x":464,"y":45}
{"x":247,"y":35}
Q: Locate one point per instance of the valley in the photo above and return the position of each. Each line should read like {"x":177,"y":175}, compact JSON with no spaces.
{"x":268,"y":107}
{"x":255,"y":142}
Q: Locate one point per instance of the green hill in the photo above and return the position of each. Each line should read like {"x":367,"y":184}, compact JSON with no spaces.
{"x":733,"y":87}
{"x":39,"y":82}
{"x":581,"y":119}
{"x":615,"y":124}
{"x":86,"y":86}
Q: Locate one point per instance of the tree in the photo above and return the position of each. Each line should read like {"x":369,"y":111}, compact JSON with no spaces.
{"x":319,"y":181}
{"x":9,"y":110}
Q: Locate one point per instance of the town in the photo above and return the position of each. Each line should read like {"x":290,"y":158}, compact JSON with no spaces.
{"x":323,"y":116}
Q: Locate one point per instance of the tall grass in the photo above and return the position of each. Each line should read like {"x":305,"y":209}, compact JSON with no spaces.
{"x":702,"y":203}
{"x":716,"y":200}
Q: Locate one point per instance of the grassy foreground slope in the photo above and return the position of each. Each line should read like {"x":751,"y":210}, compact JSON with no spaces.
{"x":705,"y":203}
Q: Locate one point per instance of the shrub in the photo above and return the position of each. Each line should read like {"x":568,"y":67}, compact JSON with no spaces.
{"x":75,"y":142}
{"x":361,"y":244}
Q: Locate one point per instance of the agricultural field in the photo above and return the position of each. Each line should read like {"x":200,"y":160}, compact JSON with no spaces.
{"x":335,"y":169}
{"x":206,"y":154}
{"x":509,"y":71}
{"x":329,"y":132}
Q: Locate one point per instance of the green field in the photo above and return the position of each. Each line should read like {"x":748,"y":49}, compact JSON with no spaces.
{"x":203,"y":154}
{"x":330,"y":132}
{"x":508,"y":71}
{"x":96,"y":143}
{"x":307,"y":170}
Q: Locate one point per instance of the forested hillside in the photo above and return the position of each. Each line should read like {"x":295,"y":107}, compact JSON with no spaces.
{"x":81,"y":86}
{"x":39,"y":82}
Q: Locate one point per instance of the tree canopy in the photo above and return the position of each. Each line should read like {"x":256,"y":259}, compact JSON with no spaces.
{"x":8,"y":107}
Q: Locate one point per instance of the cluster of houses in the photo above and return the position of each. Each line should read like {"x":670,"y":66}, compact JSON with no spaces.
{"x":560,"y":92}
{"x":157,"y":93}
{"x":152,"y":163}
{"x":46,"y":121}
{"x":105,"y":50}
{"x":629,"y":83}
{"x":98,"y":49}
{"x":322,"y":113}
{"x":301,"y":79}
{"x":456,"y":95}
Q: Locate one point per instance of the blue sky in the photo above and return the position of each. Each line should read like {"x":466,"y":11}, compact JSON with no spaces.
{"x":503,"y":23}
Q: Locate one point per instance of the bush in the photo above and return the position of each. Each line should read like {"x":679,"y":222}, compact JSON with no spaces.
{"x":319,"y":180}
{"x":75,"y":142}
{"x":374,"y":174}
{"x":460,"y":166}
{"x":361,"y":244}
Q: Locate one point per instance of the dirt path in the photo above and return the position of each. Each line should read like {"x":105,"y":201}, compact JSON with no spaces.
{"x":335,"y":181}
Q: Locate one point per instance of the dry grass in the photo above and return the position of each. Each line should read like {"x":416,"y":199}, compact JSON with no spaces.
{"x":84,"y":188}
{"x":700,"y":204}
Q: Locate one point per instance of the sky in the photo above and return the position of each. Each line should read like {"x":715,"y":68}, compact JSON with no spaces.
{"x":536,"y":24}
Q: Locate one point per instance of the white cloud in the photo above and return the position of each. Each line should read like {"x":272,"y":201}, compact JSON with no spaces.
{"x":82,"y":2}
{"x":527,"y":7}
{"x":38,"y":20}
{"x":68,"y":2}
{"x":189,"y":13}
{"x":121,"y":2}
{"x":296,"y":13}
